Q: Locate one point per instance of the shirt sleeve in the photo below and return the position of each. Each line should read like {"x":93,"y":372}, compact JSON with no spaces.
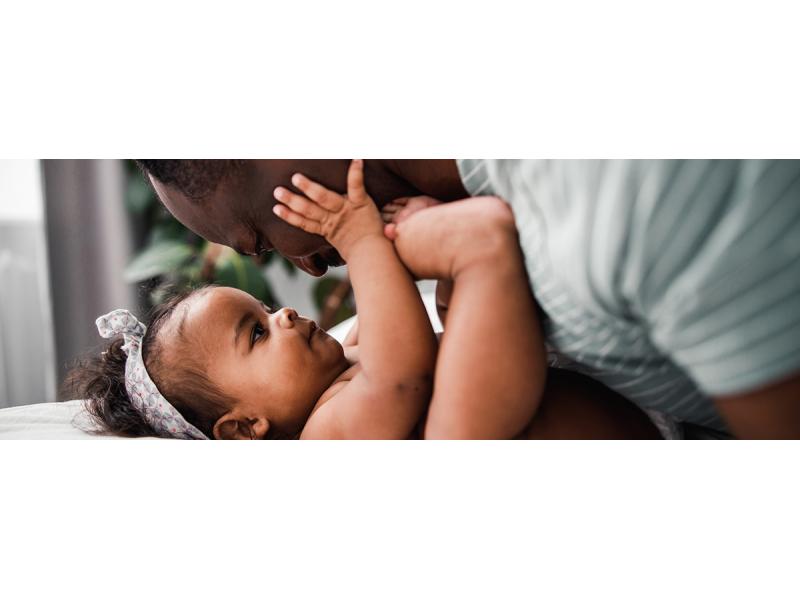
{"x":720,"y":287}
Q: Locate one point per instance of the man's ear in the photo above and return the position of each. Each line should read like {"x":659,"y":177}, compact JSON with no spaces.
{"x":233,"y":427}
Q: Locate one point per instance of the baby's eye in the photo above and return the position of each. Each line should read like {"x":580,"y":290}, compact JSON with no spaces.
{"x":257,"y":333}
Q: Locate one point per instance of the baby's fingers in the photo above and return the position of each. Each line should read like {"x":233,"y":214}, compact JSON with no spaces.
{"x":327,"y":199}
{"x":299,"y":204}
{"x":355,"y":181}
{"x":296,"y":219}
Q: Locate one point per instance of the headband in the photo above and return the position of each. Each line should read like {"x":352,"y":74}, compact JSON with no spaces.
{"x":142,"y":392}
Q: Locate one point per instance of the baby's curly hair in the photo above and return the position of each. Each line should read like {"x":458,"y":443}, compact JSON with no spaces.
{"x":196,"y":179}
{"x":99,"y":378}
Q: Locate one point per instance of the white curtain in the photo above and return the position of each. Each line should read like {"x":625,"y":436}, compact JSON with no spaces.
{"x":89,"y":244}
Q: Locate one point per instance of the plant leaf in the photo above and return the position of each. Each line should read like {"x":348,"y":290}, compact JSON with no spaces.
{"x":322,"y":289}
{"x":289,"y":267}
{"x":157,"y":259}
{"x":167,"y":229}
{"x":242,"y":273}
{"x":138,"y":196}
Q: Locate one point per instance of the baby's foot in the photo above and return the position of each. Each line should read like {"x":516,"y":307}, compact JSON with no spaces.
{"x":442,"y":242}
{"x":401,"y":209}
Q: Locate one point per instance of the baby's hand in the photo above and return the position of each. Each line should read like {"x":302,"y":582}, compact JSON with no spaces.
{"x":342,"y":220}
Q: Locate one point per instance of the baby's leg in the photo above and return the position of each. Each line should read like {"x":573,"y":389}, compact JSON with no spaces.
{"x":490,"y":366}
{"x":490,"y":369}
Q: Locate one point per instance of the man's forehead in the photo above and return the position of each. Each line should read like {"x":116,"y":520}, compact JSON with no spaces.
{"x":212,"y":218}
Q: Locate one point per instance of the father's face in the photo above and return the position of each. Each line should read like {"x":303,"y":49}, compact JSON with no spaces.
{"x":239,"y":211}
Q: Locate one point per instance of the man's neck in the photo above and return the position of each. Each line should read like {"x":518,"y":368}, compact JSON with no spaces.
{"x":393,"y":178}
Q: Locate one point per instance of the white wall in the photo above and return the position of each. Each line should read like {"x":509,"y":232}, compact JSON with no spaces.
{"x":20,"y":191}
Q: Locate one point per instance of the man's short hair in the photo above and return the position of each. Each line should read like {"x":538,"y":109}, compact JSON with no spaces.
{"x":195,"y":179}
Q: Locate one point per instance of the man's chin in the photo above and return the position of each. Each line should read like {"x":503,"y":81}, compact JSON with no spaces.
{"x":313,"y":265}
{"x":333,"y":258}
{"x":317,"y":264}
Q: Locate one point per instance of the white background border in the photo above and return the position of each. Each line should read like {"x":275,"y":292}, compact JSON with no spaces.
{"x":412,"y":79}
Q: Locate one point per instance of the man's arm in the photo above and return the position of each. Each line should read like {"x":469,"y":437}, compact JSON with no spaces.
{"x":718,"y":281}
{"x":772,"y":412}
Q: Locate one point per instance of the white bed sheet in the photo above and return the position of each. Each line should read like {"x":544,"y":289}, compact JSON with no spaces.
{"x":46,"y":421}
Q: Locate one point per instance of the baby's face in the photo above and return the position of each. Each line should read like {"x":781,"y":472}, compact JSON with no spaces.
{"x":275,"y":364}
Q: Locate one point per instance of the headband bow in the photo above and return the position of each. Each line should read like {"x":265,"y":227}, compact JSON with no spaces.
{"x":142,"y":392}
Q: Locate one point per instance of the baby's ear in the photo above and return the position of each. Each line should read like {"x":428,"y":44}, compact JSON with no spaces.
{"x":231,"y":427}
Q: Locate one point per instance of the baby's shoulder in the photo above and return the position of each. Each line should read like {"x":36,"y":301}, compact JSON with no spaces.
{"x":338,"y":384}
{"x":322,"y":422}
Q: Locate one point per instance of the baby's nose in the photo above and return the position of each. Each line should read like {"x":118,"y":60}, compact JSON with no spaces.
{"x":287,"y":316}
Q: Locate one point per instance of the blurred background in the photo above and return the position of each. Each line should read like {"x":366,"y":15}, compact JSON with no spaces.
{"x":79,"y":238}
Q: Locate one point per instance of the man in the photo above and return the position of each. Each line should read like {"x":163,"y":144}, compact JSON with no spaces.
{"x":230,"y":202}
{"x":674,"y":283}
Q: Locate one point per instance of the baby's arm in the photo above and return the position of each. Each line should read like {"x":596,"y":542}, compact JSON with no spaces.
{"x":397,"y":348}
{"x":491,"y":368}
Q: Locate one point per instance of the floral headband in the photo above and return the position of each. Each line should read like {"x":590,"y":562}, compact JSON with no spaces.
{"x":142,"y":392}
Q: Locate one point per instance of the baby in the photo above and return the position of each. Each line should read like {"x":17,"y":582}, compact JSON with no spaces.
{"x":217,"y":363}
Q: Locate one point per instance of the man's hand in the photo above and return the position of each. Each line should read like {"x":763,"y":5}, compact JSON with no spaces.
{"x":342,"y":220}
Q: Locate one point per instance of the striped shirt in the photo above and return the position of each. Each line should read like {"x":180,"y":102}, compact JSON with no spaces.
{"x":670,"y":282}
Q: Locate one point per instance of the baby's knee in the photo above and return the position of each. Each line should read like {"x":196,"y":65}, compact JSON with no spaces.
{"x":493,"y":237}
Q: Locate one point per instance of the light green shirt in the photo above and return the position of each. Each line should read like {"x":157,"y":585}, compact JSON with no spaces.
{"x":668,"y":281}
